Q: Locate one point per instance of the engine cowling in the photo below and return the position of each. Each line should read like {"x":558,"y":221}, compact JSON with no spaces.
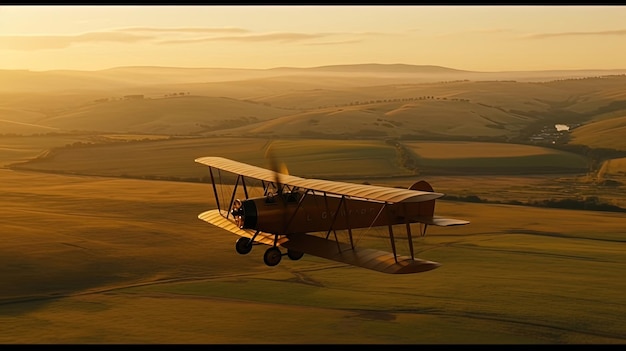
{"x":245,"y":213}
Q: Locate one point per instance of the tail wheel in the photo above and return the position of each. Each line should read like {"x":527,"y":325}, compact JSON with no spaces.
{"x":294,"y":255}
{"x":243,"y":246}
{"x":272,"y":256}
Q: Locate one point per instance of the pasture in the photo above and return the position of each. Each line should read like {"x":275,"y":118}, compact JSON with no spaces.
{"x":496,"y":158}
{"x":101,"y":243}
{"x":97,"y":260}
{"x":492,"y":171}
{"x":15,"y":149}
{"x":339,"y":158}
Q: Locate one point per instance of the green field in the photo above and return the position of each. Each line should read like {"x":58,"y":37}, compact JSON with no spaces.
{"x":15,"y":149}
{"x":504,"y":172}
{"x":495,"y":158}
{"x":308,"y":158}
{"x":101,"y":243}
{"x":106,"y":260}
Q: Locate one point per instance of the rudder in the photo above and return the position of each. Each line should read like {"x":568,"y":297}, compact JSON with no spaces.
{"x":426,"y":208}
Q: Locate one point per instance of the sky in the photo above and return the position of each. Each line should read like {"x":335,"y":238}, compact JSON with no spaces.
{"x":476,"y":38}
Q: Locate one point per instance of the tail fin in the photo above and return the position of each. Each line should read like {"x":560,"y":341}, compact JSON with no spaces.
{"x":426,"y":208}
{"x":426,"y":211}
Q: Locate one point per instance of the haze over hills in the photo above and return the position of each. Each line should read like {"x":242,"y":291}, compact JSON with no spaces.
{"x":365,"y":74}
{"x":105,"y":161}
{"x":363,"y":100}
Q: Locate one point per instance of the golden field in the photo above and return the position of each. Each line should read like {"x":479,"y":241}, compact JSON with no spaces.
{"x":492,"y":171}
{"x":100,"y":195}
{"x":106,"y":260}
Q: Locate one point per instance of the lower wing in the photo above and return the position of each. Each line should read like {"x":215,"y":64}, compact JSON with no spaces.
{"x":377,"y":260}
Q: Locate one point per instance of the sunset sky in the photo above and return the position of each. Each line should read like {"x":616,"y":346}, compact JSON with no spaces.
{"x":477,"y":38}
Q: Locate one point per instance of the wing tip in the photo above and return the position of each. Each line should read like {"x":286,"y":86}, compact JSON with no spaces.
{"x":418,"y":266}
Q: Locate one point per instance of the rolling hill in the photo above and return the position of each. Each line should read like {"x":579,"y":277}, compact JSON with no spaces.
{"x":343,"y":101}
{"x":607,"y":133}
{"x":169,"y":115}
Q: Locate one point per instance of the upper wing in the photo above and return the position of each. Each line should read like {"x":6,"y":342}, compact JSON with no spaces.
{"x":369,"y":192}
{"x":381,"y":261}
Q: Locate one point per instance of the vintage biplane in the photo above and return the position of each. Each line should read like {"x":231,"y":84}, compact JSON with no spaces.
{"x":300,"y":214}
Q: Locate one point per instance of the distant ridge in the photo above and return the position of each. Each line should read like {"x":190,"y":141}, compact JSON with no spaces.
{"x":380,"y":68}
{"x":160,"y":79}
{"x":344,"y":68}
{"x":351,"y":68}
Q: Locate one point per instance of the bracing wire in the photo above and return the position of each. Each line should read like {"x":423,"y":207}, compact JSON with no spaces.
{"x":359,"y":237}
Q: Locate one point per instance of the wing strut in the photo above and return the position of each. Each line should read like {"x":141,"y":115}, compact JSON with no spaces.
{"x":408,"y":231}
{"x":232,"y":197}
{"x":393,"y":241}
{"x":332,"y":223}
{"x":328,"y":211}
{"x":217,"y":200}
{"x":245,"y":189}
{"x":295,"y":211}
{"x":345,"y":208}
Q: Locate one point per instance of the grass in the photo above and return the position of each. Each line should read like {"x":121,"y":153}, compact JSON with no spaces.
{"x":512,"y":169}
{"x":15,"y":149}
{"x":339,"y":158}
{"x":104,"y":260}
{"x":602,"y":133}
{"x":461,"y":149}
{"x":615,"y":167}
{"x":502,"y":158}
{"x":91,"y":259}
{"x":91,"y":256}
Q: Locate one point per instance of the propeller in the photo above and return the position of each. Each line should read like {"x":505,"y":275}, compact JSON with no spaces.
{"x":238,"y":210}
{"x":278,"y":168}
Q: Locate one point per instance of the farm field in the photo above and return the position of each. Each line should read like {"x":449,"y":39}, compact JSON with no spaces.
{"x":492,"y":171}
{"x":15,"y":149}
{"x":105,"y":260}
{"x":99,"y":191}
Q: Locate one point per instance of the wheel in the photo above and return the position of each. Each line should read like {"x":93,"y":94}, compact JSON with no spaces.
{"x":294,"y":255}
{"x":243,"y":246}
{"x":272,"y":256}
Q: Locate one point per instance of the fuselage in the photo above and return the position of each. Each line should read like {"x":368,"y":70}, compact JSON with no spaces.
{"x":297,"y":212}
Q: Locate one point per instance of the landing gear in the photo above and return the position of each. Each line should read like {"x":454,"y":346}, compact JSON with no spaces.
{"x":243,"y":246}
{"x":294,"y":255}
{"x":272,"y":256}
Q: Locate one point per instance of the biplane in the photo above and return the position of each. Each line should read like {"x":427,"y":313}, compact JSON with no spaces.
{"x":303,"y":215}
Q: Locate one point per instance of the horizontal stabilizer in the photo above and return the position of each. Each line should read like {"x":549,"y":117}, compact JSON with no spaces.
{"x":440,"y":221}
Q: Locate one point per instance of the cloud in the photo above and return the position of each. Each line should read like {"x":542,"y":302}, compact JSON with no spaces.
{"x":124,"y":35}
{"x":174,"y":36}
{"x":46,"y":42}
{"x":201,"y":30}
{"x":280,"y":37}
{"x":572,"y":34}
{"x":354,"y":41}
